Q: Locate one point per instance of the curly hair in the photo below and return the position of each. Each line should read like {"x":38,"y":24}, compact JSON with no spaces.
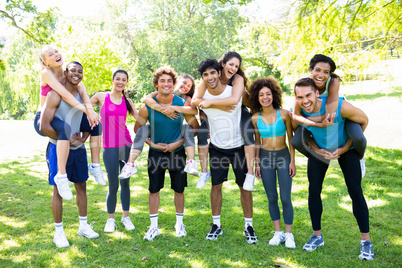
{"x":271,"y":83}
{"x":164,"y":70}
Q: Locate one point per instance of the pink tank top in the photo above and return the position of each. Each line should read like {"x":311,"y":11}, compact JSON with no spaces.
{"x":115,"y":132}
{"x":44,"y":90}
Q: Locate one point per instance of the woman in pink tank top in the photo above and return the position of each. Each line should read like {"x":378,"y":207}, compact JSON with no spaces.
{"x":114,"y":107}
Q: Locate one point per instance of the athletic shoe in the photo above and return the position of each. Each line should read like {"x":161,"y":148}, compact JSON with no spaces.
{"x":110,"y":225}
{"x":250,"y":235}
{"x":191,"y":168}
{"x":248,"y":184}
{"x":363,"y":166}
{"x":214,"y":233}
{"x":60,"y":239}
{"x":180,"y":230}
{"x":314,"y":242}
{"x":289,"y":240}
{"x":88,"y":232}
{"x":97,"y":173}
{"x":204,"y":176}
{"x":63,"y":187}
{"x":152,"y":233}
{"x":366,"y":251}
{"x":127,"y":171}
{"x":279,"y":237}
{"x":126,"y":221}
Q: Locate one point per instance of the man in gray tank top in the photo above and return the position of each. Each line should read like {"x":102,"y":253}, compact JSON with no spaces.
{"x":77,"y":167}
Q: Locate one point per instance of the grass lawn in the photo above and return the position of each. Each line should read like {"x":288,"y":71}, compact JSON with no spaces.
{"x":26,"y":223}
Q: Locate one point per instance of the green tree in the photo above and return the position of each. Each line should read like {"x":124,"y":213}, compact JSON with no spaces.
{"x":23,"y":15}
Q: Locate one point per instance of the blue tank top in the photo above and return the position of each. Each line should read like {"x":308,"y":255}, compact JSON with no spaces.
{"x":164,"y":129}
{"x":276,"y":129}
{"x":332,"y":137}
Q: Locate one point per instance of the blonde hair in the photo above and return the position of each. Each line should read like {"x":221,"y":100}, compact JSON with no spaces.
{"x":42,"y":54}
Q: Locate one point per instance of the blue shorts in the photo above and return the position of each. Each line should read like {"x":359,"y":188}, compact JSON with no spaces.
{"x":77,"y":164}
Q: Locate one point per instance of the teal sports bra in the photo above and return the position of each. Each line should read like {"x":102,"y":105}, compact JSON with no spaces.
{"x":277,"y":129}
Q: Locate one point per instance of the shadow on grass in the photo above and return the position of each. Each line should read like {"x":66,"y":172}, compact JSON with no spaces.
{"x":26,"y":223}
{"x":396,"y":92}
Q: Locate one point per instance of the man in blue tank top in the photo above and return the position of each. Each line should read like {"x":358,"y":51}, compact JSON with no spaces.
{"x":166,"y":149}
{"x":332,"y":142}
{"x":77,"y":167}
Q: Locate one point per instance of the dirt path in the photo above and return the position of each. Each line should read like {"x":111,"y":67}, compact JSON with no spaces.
{"x":19,"y":139}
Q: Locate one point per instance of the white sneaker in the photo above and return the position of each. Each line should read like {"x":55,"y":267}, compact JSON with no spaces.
{"x":127,"y":223}
{"x":363,"y":166}
{"x":289,"y":240}
{"x":110,"y":226}
{"x":88,"y":232}
{"x":63,"y":187}
{"x":278,"y":238}
{"x":180,"y":230}
{"x":97,"y":173}
{"x":248,"y":184}
{"x":60,"y":239}
{"x":127,"y":171}
{"x":152,"y":233}
{"x":191,"y":168}
{"x":204,"y":176}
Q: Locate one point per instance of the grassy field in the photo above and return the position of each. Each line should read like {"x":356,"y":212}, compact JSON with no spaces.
{"x":26,"y":223}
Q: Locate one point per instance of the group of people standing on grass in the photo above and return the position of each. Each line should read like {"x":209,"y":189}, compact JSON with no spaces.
{"x":246,"y":126}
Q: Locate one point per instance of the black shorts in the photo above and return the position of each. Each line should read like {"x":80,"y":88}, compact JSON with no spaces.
{"x":219,"y":161}
{"x":159,"y":162}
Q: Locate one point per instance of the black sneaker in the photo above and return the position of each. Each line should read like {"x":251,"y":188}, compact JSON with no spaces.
{"x":214,"y":233}
{"x":250,"y":235}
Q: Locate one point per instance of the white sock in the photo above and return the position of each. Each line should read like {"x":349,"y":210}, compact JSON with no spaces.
{"x":59,"y":227}
{"x":179,"y":219}
{"x":217,"y":220}
{"x":130,"y":164}
{"x":61,"y":176}
{"x":83,"y":222}
{"x":154,"y":220}
{"x":95,"y":164}
{"x":248,"y":222}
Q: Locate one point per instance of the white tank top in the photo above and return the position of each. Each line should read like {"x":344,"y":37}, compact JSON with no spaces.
{"x":224,"y":127}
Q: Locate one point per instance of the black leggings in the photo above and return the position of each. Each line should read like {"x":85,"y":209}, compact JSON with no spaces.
{"x":246,"y":127}
{"x":349,"y":163}
{"x":353,"y":129}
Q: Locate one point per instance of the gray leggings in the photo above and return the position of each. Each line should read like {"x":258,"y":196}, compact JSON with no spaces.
{"x":113,"y":159}
{"x":272,"y":163}
{"x":144,"y":132}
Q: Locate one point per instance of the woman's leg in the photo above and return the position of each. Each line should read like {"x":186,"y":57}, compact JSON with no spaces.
{"x":355,"y":133}
{"x":95,"y":139}
{"x":111,"y":161}
{"x":247,"y":130}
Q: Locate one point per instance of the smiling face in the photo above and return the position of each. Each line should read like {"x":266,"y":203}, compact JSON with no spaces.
{"x":307,"y":98}
{"x":230,"y":67}
{"x":265,"y":97}
{"x":184,"y":85}
{"x":52,"y":57}
{"x":211,"y":78}
{"x":320,"y":74}
{"x":74,"y":73}
{"x":120,"y":81}
{"x":165,"y":84}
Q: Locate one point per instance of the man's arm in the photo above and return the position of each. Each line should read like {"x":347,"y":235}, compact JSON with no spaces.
{"x":47,"y":115}
{"x":354,"y":114}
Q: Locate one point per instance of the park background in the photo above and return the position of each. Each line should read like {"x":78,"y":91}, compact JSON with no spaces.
{"x":275,"y":38}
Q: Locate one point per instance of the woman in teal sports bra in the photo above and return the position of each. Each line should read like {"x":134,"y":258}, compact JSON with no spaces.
{"x":273,"y":157}
{"x":322,"y":70}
